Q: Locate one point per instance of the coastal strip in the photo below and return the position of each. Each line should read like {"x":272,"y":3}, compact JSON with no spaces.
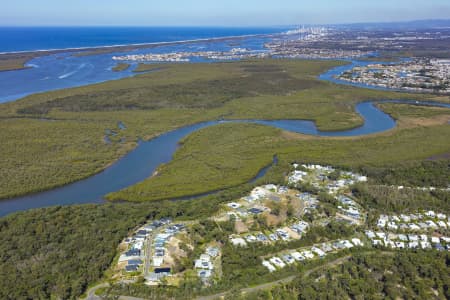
{"x":10,"y":61}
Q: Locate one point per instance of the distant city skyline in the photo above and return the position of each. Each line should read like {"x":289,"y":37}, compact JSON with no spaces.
{"x":212,"y":13}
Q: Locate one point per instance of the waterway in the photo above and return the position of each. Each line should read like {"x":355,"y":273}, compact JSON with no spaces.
{"x":141,"y":163}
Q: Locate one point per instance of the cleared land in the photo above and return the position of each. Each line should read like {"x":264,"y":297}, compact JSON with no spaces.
{"x":58,"y":137}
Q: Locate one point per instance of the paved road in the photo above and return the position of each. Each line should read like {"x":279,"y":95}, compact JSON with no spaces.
{"x":129,"y":298}
{"x":260,"y":287}
{"x":149,"y":251}
{"x":91,"y":292}
{"x":250,"y":289}
{"x":269,"y":285}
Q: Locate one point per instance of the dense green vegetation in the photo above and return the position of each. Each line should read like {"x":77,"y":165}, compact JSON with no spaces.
{"x":57,"y":252}
{"x":241,"y":266}
{"x":402,"y":275}
{"x":152,"y":103}
{"x":38,"y":246}
{"x":53,"y":138}
{"x":398,"y":111}
{"x":427,"y":173}
{"x":256,"y":79}
{"x":222,"y":159}
{"x":386,"y":198}
{"x":230,"y":154}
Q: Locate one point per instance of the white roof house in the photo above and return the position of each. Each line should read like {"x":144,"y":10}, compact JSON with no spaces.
{"x":361,"y":178}
{"x":277,"y":262}
{"x":413,"y":237}
{"x":251,"y":238}
{"x":271,"y":187}
{"x":269,"y":266}
{"x":377,"y":242}
{"x":347,"y":244}
{"x":435,"y":240}
{"x":413,"y":245}
{"x":357,"y":242}
{"x":318,"y":251}
{"x":403,"y":237}
{"x":405,"y":218}
{"x":430,"y":214}
{"x":381,"y":223}
{"x":390,"y":243}
{"x":381,"y":235}
{"x":238,"y":242}
{"x":425,"y":245}
{"x":297,"y":256}
{"x":259,"y":193}
{"x":296,"y":176}
{"x":431,"y":224}
{"x":445,"y":239}
{"x":202,"y":264}
{"x":414,"y":227}
{"x":392,"y":226}
{"x":400,"y":245}
{"x":204,"y":274}
{"x":441,"y":216}
{"x":233,"y":205}
{"x":370,"y":234}
{"x":205,"y":257}
{"x":158,"y":261}
{"x":308,"y":254}
{"x":442,"y":224}
{"x":212,"y":251}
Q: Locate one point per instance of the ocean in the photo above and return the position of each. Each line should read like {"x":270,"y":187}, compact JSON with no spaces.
{"x":44,"y":38}
{"x":66,"y":70}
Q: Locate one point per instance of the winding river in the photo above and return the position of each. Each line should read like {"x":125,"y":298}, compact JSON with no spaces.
{"x":140,"y":163}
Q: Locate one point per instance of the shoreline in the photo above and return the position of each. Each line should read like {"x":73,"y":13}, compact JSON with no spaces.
{"x":106,"y":199}
{"x":17,"y":60}
{"x":231,"y":37}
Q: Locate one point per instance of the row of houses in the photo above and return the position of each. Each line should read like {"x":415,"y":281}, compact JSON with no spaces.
{"x":408,"y":241}
{"x":318,"y":251}
{"x":310,"y":201}
{"x":133,"y":256}
{"x":159,"y":243}
{"x":421,"y":221}
{"x":319,"y":177}
{"x":294,"y":231}
{"x":349,"y":207}
{"x":240,"y":211}
{"x":159,"y":250}
{"x":268,"y":191}
{"x":204,"y":265}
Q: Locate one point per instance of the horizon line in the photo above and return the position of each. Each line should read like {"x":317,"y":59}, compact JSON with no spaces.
{"x":222,"y":26}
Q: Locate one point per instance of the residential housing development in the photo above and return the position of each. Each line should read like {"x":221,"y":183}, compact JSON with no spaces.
{"x":420,"y":75}
{"x":277,"y":215}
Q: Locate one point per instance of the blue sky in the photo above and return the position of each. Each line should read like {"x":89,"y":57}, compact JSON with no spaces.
{"x":218,"y":13}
